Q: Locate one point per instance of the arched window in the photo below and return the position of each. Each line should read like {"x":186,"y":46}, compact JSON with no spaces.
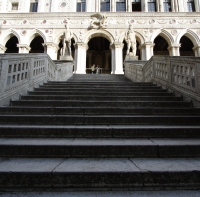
{"x":105,"y":5}
{"x":152,"y":5}
{"x":136,"y":5}
{"x":167,"y":5}
{"x":120,"y":6}
{"x":190,"y":5}
{"x":81,"y":4}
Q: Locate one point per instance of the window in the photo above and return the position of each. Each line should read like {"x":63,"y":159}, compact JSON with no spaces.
{"x":167,"y":6}
{"x":14,"y":6}
{"x":81,"y":6}
{"x":152,"y":5}
{"x":120,"y":6}
{"x":105,"y":5}
{"x":34,"y":7}
{"x":190,"y":5}
{"x":136,"y":5}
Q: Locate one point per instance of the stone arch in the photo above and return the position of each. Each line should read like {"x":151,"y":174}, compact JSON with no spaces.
{"x":98,"y":33}
{"x":191,"y":35}
{"x":165,"y":34}
{"x":7,"y":35}
{"x":34,"y":34}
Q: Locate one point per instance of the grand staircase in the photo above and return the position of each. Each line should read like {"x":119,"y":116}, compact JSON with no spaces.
{"x":98,"y":132}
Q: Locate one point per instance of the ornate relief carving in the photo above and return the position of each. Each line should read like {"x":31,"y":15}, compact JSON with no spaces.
{"x":98,"y":21}
{"x":172,"y":21}
{"x":64,"y":6}
{"x":141,"y":22}
{"x":198,"y":32}
{"x":152,"y":21}
{"x":174,"y":32}
{"x":162,"y":21}
{"x":47,"y":5}
{"x":23,"y":32}
{"x":183,"y":22}
{"x":193,"y":21}
{"x":84,"y":22}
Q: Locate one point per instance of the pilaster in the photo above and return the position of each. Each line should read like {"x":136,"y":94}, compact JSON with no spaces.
{"x":80,"y":58}
{"x":23,"y":48}
{"x":117,"y":58}
{"x":174,"y":50}
{"x":2,"y":49}
{"x":51,"y":49}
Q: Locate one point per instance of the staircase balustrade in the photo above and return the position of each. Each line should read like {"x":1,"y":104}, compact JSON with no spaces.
{"x":178,"y":74}
{"x":22,"y":72}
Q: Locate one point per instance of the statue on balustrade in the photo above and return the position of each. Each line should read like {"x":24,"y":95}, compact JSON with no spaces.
{"x":66,"y":53}
{"x":131,"y":43}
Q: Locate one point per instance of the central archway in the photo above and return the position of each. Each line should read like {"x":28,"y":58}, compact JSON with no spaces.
{"x":99,"y":53}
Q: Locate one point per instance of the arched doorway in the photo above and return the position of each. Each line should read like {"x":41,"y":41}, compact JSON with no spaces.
{"x":36,"y":45}
{"x":186,"y":47}
{"x":160,"y":47}
{"x":11,"y":45}
{"x":60,"y":45}
{"x":137,"y":50}
{"x":99,"y":53}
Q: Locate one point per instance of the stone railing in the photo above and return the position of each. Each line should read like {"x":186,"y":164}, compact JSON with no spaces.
{"x":22,"y":72}
{"x":178,"y":74}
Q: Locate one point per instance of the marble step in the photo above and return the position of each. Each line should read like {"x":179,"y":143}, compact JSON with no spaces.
{"x":96,"y":131}
{"x":72,"y":103}
{"x":100,"y":119}
{"x":97,"y":93}
{"x":98,"y":110}
{"x":99,"y":148}
{"x":112,"y":173}
{"x":100,"y":98}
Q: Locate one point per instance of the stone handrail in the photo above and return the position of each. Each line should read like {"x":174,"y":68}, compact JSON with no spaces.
{"x":22,"y":72}
{"x":180,"y":75}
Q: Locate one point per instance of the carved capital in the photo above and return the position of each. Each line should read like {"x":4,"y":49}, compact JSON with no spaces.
{"x":2,"y":49}
{"x":81,"y":45}
{"x":24,"y":46}
{"x":116,"y":45}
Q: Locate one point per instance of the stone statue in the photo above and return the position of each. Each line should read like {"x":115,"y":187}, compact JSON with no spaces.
{"x":131,"y":41}
{"x":66,"y":41}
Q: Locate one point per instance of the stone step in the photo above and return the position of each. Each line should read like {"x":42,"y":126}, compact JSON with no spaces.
{"x":72,"y":103}
{"x":99,"y":131}
{"x":99,"y":148}
{"x":97,"y":93}
{"x":98,"y":111}
{"x":112,"y":173}
{"x":101,"y":98}
{"x":94,"y":90}
{"x":100,"y":119}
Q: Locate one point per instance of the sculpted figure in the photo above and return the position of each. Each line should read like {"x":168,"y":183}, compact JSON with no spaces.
{"x":66,"y":41}
{"x":131,"y":41}
{"x":98,"y":21}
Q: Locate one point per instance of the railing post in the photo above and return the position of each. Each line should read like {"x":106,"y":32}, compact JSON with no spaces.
{"x":3,"y":75}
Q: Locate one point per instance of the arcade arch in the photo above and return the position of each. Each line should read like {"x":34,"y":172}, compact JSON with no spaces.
{"x":11,"y":44}
{"x":36,"y":44}
{"x":186,"y":48}
{"x":160,"y":46}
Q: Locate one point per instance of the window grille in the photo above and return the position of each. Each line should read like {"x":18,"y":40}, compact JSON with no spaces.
{"x":167,"y":6}
{"x":190,"y":5}
{"x":120,"y":6}
{"x":81,"y":6}
{"x":34,"y":7}
{"x":105,"y":6}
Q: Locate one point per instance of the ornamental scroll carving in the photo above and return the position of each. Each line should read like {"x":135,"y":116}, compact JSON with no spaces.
{"x":98,"y":21}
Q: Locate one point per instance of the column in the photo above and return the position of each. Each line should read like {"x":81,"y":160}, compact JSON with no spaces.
{"x":197,"y":5}
{"x":129,"y":6}
{"x":196,"y":50}
{"x":144,"y":5}
{"x":147,"y":50}
{"x":158,"y":5}
{"x":88,"y":6}
{"x":181,"y":6}
{"x":112,"y":5}
{"x":97,"y":6}
{"x":174,"y":50}
{"x":51,"y":49}
{"x":161,"y":6}
{"x":117,"y":58}
{"x":23,"y":48}
{"x":173,"y":6}
{"x":2,"y":49}
{"x":80,"y":58}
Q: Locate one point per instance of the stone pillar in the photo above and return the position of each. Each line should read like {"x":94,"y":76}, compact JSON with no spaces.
{"x":161,"y":6}
{"x":147,"y":50}
{"x":117,"y":58}
{"x":2,"y":49}
{"x":129,"y":6}
{"x":23,"y":48}
{"x":197,"y":5}
{"x":144,"y":6}
{"x":51,"y":49}
{"x":174,"y":50}
{"x":88,"y":6}
{"x":176,"y":6}
{"x":158,"y":5}
{"x":80,"y":58}
{"x":97,"y":6}
{"x":196,"y":50}
{"x":113,"y":5}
